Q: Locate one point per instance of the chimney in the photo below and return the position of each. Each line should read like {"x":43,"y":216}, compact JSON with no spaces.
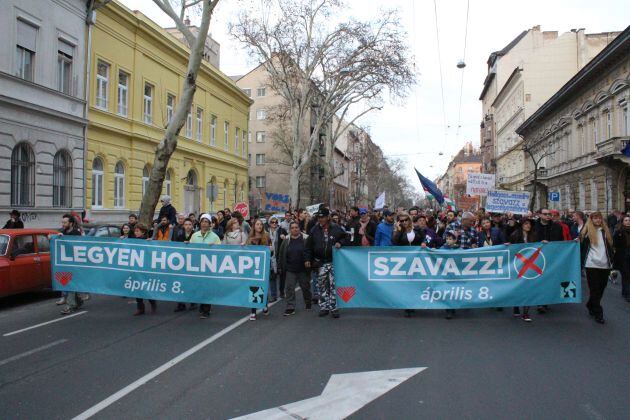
{"x":536,"y":28}
{"x":187,"y":21}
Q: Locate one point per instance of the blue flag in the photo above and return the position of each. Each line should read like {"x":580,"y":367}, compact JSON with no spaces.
{"x":431,"y":188}
{"x":626,"y":150}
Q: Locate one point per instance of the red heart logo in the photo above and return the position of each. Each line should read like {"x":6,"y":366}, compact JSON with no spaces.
{"x":63,"y":277}
{"x":346,"y":293}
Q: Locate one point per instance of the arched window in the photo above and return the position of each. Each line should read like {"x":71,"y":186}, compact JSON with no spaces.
{"x":97,"y":183}
{"x":22,"y":176}
{"x":225,"y":187}
{"x":145,"y":179}
{"x":119,"y":185}
{"x":191,"y":178}
{"x":167,"y":183}
{"x":62,"y":179}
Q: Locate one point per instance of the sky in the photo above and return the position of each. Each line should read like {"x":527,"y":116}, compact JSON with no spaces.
{"x":433,"y":119}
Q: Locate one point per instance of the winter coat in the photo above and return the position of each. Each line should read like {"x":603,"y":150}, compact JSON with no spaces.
{"x":319,"y":251}
{"x":169,"y":211}
{"x":383,"y":236}
{"x":399,"y":238}
{"x":551,"y":232}
{"x":496,"y":236}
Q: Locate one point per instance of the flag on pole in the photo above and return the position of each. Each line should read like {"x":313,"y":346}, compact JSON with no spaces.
{"x":430,"y":187}
{"x":626,"y":150}
{"x":380,"y":201}
{"x":450,"y":204}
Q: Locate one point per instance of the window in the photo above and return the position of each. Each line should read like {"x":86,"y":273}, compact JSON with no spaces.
{"x":189,"y":124}
{"x":625,"y":120}
{"x":260,"y":182}
{"x":581,"y":195}
{"x":62,"y":179}
{"x":608,"y":125}
{"x":43,"y":244}
{"x":260,"y":159}
{"x":119,"y":185}
{"x":102,"y":84}
{"x":123,"y":93}
{"x":248,"y":92}
{"x":23,"y":245}
{"x":148,"y":103}
{"x":593,"y":195}
{"x":249,"y":159}
{"x":199,"y":124}
{"x":594,"y":130}
{"x":22,"y":176}
{"x":213,"y":130}
{"x":249,"y":136}
{"x":167,"y":183}
{"x":65,"y":53}
{"x":261,"y":114}
{"x":146,"y":172}
{"x":97,"y":183}
{"x":26,"y":42}
{"x":244,"y":144}
{"x":226,"y":130}
{"x":260,"y":92}
{"x":170,"y":105}
{"x":260,"y":136}
{"x":237,"y":139}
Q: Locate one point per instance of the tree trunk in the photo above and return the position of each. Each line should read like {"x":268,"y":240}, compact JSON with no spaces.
{"x":294,"y":186}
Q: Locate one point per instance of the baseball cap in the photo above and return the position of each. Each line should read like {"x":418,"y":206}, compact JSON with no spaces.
{"x":205,"y":216}
{"x":387,"y":213}
{"x":323,"y":212}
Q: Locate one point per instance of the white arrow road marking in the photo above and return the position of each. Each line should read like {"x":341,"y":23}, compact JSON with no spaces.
{"x":343,"y":395}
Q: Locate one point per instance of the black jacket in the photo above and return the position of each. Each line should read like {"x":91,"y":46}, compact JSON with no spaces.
{"x":399,"y":238}
{"x":179,"y":234}
{"x":18,"y":224}
{"x":170,"y":212}
{"x":550,"y":232}
{"x":319,"y":251}
{"x":354,"y":225}
{"x":622,"y":251}
{"x":585,"y":247}
{"x":517,"y":237}
{"x":282,"y":252}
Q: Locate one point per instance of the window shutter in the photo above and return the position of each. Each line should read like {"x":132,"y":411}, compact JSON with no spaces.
{"x":26,"y":35}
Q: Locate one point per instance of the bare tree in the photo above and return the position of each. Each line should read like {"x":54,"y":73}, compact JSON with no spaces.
{"x":196,"y":41}
{"x":322,"y":70}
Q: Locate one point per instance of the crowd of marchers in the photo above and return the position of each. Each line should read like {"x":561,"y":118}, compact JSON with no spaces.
{"x":302,"y":245}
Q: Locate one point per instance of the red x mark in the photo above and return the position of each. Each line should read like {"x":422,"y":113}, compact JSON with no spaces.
{"x":528,"y":263}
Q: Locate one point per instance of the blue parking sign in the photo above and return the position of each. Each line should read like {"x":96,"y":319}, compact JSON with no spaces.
{"x":554,"y":196}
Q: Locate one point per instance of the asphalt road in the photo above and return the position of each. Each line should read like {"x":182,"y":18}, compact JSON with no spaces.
{"x":482,"y":364}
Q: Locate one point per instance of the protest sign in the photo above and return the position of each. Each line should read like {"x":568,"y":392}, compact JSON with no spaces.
{"x":313,"y":208}
{"x":417,"y":278}
{"x":479,"y":184}
{"x":223,"y":275}
{"x":516,"y":202}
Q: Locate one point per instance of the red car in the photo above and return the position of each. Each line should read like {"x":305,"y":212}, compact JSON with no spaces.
{"x":24,"y":260}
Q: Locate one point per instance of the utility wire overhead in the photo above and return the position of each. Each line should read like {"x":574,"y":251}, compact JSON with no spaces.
{"x":437,"y":37}
{"x":461,"y":88}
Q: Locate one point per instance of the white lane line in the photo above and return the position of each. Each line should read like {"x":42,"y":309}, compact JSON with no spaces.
{"x":43,"y":323}
{"x":158,"y":371}
{"x":28,"y":353}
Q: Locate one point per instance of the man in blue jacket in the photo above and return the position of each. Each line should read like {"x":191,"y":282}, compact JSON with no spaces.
{"x":384,"y":230}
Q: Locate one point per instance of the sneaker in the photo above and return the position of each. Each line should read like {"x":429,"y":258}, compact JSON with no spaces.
{"x":335,"y":314}
{"x":288,"y":312}
{"x":252,"y":317}
{"x":516,"y":312}
{"x":449,"y":314}
{"x":204,"y":315}
{"x":67,"y":311}
{"x":323,"y":312}
{"x":541,"y":309}
{"x":84,"y":296}
{"x":265,"y":310}
{"x":527,"y":318}
{"x":61,"y":301}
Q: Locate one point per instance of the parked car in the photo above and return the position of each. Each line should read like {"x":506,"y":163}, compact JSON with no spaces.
{"x":112,"y":231}
{"x":24,"y":260}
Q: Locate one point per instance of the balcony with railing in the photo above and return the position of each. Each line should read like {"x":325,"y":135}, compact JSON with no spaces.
{"x":612,"y":148}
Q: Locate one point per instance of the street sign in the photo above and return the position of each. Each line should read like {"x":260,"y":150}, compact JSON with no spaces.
{"x":242,"y":208}
{"x":343,"y":395}
{"x":212,"y":191}
{"x":554,"y":196}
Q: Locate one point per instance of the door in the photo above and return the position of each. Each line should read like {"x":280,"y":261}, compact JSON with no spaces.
{"x":43,"y":252}
{"x":25,"y":267}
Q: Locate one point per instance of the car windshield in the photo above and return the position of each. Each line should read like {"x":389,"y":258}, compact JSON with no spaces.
{"x":4,"y":244}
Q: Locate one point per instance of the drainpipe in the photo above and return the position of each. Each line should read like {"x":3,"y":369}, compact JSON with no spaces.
{"x":90,"y":19}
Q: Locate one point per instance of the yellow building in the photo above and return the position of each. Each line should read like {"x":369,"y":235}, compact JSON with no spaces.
{"x":136,"y":74}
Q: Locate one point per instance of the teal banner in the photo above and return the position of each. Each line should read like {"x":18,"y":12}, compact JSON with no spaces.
{"x":422,"y":278}
{"x":197,"y":273}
